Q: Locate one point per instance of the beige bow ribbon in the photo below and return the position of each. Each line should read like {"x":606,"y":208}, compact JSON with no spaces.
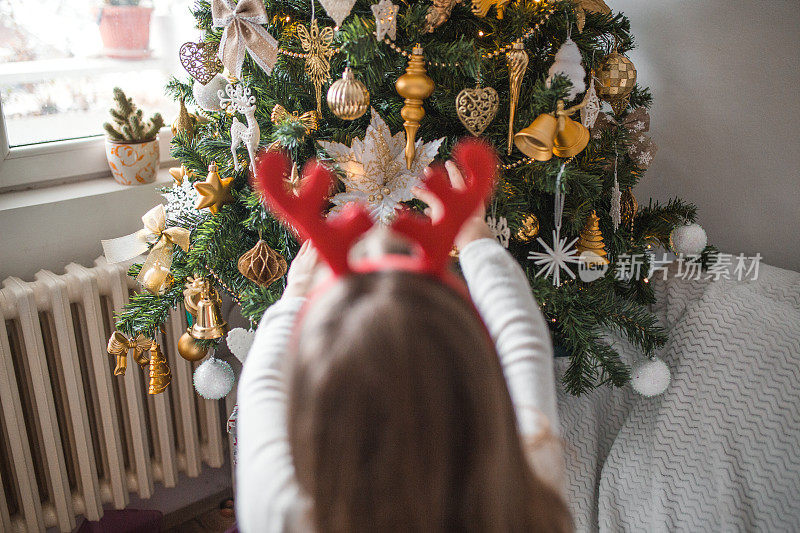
{"x":154,"y":231}
{"x":641,"y":147}
{"x":119,"y":345}
{"x":243,"y":32}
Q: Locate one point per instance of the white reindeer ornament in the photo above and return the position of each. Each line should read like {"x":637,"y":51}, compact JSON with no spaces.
{"x":238,"y":99}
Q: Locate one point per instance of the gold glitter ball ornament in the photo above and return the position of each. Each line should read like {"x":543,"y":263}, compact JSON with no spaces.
{"x":348,"y":97}
{"x":529,"y":229}
{"x":616,"y":79}
{"x":262,"y":265}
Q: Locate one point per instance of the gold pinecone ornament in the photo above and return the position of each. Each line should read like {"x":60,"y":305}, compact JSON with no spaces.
{"x":616,"y":79}
{"x":591,"y":240}
{"x":628,"y":208}
{"x":262,"y":265}
{"x":348,"y":97}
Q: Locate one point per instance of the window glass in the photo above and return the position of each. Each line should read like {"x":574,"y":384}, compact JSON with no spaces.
{"x":60,"y":60}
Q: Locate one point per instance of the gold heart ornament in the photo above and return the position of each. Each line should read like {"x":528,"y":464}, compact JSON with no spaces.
{"x":476,"y":108}
{"x":200,"y":61}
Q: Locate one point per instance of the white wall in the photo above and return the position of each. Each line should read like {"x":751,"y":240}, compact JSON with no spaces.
{"x":726,"y":78}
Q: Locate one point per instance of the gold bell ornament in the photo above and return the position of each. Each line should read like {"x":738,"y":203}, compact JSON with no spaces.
{"x":591,"y":240}
{"x":348,"y":97}
{"x":209,"y":323}
{"x":415,"y":86}
{"x":553,"y":134}
{"x":189,"y":348}
{"x":616,"y":79}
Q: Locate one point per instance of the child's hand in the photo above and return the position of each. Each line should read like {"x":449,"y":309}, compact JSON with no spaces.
{"x":303,"y":272}
{"x":474,"y":227}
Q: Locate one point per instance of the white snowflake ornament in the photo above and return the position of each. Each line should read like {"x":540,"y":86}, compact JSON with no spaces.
{"x":181,"y":199}
{"x":556,"y":259}
{"x":500,"y":230}
{"x":591,"y":110}
{"x":375,"y":169}
{"x":385,"y":19}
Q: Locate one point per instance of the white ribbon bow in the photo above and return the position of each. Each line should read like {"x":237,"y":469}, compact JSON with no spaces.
{"x":243,"y":31}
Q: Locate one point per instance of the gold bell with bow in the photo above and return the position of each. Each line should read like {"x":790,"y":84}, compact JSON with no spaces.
{"x":119,"y":345}
{"x":553,"y":134}
{"x":209,"y":323}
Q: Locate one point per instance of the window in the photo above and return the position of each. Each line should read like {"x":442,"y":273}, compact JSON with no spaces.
{"x":59,"y":61}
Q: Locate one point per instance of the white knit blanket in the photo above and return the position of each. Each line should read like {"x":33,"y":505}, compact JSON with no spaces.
{"x":720,"y":449}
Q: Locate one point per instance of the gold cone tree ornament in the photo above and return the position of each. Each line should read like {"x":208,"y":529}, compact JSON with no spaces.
{"x":262,"y":265}
{"x":591,"y":240}
{"x":348,"y":97}
{"x":160,"y":374}
{"x":517,"y":62}
{"x":209,"y":323}
{"x":415,"y":86}
{"x":185,"y":123}
{"x":529,"y":228}
{"x":616,"y":79}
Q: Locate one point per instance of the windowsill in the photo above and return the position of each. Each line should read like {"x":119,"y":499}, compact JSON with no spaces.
{"x":82,"y":189}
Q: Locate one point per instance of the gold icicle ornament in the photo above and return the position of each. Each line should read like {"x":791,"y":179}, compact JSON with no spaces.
{"x":415,"y":86}
{"x":591,"y":240}
{"x":628,"y":208}
{"x":517,"y":62}
{"x":160,"y":375}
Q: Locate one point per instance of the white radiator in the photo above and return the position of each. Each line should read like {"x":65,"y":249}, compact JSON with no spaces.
{"x":74,"y":436}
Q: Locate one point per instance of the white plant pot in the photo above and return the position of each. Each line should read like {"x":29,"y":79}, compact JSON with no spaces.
{"x":133,"y":163}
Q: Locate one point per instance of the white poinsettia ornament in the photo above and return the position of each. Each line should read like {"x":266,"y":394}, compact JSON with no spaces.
{"x":375,"y":169}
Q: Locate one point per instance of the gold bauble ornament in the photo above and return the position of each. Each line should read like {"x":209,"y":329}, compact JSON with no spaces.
{"x":476,"y":108}
{"x":189,"y":349}
{"x":517,"y":62}
{"x":348,"y":98}
{"x":262,"y":265}
{"x":616,"y":79}
{"x":415,"y":86}
{"x":529,"y":228}
{"x":157,"y":279}
{"x":591,"y":240}
{"x":214,"y":192}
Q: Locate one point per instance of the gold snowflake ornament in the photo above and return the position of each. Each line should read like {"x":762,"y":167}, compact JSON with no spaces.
{"x":375,"y":169}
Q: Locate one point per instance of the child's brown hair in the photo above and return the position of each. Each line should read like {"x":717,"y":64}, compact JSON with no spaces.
{"x":400,"y":418}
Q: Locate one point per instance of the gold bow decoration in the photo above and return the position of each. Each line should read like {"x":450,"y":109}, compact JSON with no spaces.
{"x":309,"y":119}
{"x":155,"y":364}
{"x":119,"y":345}
{"x":243,"y":32}
{"x":640,"y":146}
{"x":154,"y":231}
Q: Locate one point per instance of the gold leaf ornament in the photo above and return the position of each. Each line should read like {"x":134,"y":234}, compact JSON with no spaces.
{"x":318,"y":45}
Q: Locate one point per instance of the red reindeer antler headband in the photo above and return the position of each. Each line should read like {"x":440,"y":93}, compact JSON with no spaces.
{"x":333,"y":236}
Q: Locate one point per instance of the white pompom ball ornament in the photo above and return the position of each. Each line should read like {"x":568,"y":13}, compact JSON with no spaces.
{"x":239,"y":342}
{"x":568,"y":63}
{"x":207,"y":96}
{"x":690,"y":239}
{"x":213,"y":379}
{"x":650,"y":377}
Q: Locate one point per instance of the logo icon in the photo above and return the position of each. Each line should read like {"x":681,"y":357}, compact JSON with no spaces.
{"x":591,"y":266}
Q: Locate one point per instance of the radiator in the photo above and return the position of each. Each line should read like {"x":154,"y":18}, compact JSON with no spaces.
{"x":74,"y":436}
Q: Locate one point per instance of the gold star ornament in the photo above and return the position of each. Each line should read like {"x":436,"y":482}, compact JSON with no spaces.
{"x":179,"y":173}
{"x":214,"y":192}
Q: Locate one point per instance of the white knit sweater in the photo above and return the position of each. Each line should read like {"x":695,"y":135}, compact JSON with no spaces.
{"x":267,"y":496}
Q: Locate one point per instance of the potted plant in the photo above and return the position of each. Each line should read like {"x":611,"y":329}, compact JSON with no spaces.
{"x":125,"y":29}
{"x":131,"y":144}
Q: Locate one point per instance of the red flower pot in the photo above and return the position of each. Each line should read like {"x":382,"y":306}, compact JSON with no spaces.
{"x":125,"y":31}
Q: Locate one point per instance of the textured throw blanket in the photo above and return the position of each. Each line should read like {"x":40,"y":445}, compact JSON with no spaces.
{"x":720,"y":449}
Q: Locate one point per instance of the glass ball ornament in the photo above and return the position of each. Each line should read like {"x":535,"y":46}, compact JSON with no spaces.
{"x":348,"y":97}
{"x":689,"y":239}
{"x":157,"y":279}
{"x":207,"y":96}
{"x":213,"y":379}
{"x":189,"y":349}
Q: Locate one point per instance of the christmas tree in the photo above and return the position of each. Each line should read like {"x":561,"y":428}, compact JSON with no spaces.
{"x":273,"y":75}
